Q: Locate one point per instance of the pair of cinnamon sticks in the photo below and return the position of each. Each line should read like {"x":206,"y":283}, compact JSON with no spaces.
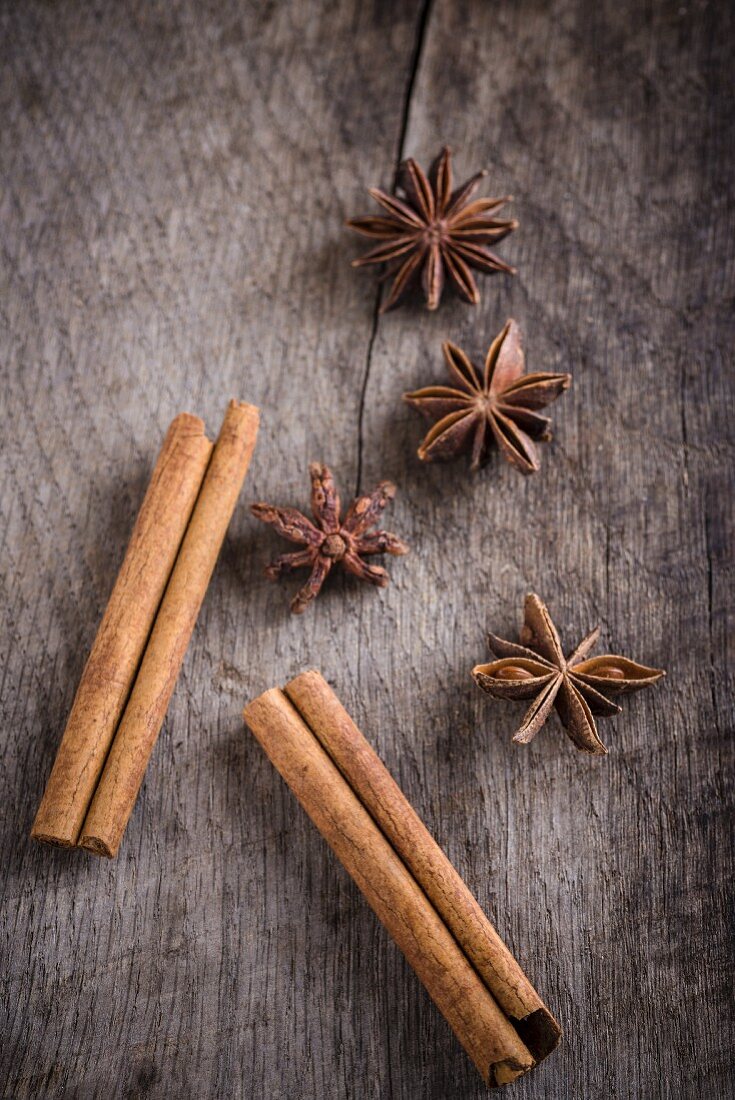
{"x":131,"y":672}
{"x":406,"y":878}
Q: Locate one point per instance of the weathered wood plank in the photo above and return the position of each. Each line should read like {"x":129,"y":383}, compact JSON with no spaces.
{"x":175,"y":183}
{"x":607,"y":875}
{"x":173,"y":186}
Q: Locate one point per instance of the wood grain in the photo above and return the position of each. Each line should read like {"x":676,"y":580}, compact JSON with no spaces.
{"x":174,"y":179}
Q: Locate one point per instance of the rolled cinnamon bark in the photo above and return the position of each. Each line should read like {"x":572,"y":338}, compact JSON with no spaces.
{"x":136,"y":735}
{"x":391,"y":890}
{"x":126,"y":624}
{"x":382,"y":797}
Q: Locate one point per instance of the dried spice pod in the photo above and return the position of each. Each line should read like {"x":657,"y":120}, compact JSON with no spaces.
{"x":430,"y":232}
{"x":329,"y":540}
{"x":496,"y":405}
{"x":578,"y":689}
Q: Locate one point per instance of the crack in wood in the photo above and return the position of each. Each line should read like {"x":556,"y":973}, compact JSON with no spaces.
{"x":422,"y":24}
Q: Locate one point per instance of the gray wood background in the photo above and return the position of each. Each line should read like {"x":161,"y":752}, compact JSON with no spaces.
{"x":173,"y":181}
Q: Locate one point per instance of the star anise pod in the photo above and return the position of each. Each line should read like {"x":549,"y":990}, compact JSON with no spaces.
{"x":330,"y":541}
{"x":498,"y":404}
{"x":429,"y":231}
{"x":578,"y":688}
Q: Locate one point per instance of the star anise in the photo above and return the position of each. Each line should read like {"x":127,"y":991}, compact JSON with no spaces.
{"x":499,"y":404}
{"x":577,"y":688}
{"x":429,"y":230}
{"x":330,"y":541}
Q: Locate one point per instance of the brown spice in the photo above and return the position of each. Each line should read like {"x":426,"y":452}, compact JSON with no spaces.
{"x":431,"y":232}
{"x":391,"y":890}
{"x":575,"y":687}
{"x":514,"y":672}
{"x":497,"y":405}
{"x":123,"y":633}
{"x":329,"y":540}
{"x":125,"y":766}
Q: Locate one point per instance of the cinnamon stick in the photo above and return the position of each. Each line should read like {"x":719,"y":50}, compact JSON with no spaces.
{"x":391,"y":890}
{"x":382,"y":797}
{"x":136,"y":735}
{"x":123,"y":632}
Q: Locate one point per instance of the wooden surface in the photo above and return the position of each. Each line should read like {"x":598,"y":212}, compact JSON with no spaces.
{"x":173,"y":179}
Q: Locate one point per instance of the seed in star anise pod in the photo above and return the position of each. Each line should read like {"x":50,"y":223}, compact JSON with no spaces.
{"x":577,"y":688}
{"x":496,"y":405}
{"x":430,"y":232}
{"x":329,"y":540}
